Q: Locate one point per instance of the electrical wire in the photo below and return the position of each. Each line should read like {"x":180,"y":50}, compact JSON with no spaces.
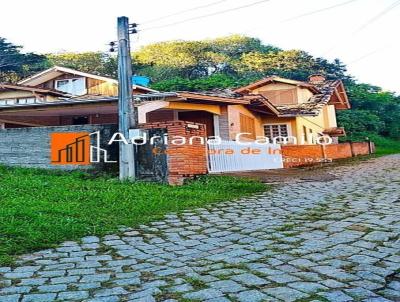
{"x":366,"y":24}
{"x":182,"y":11}
{"x":206,"y":15}
{"x":368,"y":54}
{"x":318,"y":11}
{"x":377,"y":17}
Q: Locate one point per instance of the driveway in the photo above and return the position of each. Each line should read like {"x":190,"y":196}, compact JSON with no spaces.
{"x":330,"y":240}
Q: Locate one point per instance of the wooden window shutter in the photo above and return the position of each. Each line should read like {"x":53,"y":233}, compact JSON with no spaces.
{"x":281,"y":96}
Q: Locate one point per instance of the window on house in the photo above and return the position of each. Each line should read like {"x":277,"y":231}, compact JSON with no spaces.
{"x":26,"y":101}
{"x":310,"y":138}
{"x":75,"y":86}
{"x":276,"y":130}
{"x":8,"y":102}
{"x":247,"y":126}
{"x":304,"y":134}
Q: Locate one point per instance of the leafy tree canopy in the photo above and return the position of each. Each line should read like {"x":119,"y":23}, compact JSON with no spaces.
{"x":373,"y":110}
{"x":195,"y":59}
{"x":14,"y":64}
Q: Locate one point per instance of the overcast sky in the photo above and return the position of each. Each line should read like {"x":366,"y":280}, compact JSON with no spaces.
{"x":360,"y":32}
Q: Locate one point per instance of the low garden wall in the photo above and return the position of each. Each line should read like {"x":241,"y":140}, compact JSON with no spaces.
{"x":30,"y":147}
{"x":303,"y":155}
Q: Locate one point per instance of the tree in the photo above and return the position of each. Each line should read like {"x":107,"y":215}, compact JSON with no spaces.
{"x":385,"y":104}
{"x":295,"y":64}
{"x":358,"y":123}
{"x":195,"y":59}
{"x":92,"y":62}
{"x":215,"y":81}
{"x":15,"y":65}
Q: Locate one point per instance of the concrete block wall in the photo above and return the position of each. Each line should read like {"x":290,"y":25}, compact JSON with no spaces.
{"x":30,"y":147}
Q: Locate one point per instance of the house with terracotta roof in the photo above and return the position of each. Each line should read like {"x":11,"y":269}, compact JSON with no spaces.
{"x":272,"y":107}
{"x":305,"y":110}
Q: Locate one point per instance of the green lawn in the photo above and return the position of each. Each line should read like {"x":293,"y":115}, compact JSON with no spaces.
{"x":39,"y":209}
{"x":385,"y":146}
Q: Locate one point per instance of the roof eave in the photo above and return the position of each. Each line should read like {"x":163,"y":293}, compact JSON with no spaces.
{"x":65,"y":70}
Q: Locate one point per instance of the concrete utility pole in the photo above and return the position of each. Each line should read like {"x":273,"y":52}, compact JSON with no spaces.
{"x":127,"y":115}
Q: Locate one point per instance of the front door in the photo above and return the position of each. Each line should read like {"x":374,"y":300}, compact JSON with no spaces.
{"x":201,"y":117}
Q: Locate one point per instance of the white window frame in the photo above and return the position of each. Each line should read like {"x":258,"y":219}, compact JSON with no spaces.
{"x":25,"y":101}
{"x":288,"y":127}
{"x":70,"y":83}
{"x":5,"y":102}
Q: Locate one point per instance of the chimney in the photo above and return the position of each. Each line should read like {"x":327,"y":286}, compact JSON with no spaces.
{"x":316,"y":79}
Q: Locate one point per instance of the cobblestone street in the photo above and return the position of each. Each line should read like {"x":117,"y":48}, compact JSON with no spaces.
{"x":335,"y":240}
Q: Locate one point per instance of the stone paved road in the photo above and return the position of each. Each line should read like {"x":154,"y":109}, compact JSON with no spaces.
{"x":309,"y":241}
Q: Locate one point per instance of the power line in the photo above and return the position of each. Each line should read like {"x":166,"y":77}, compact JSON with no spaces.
{"x":366,"y":24}
{"x":307,"y":14}
{"x":183,"y":11}
{"x":366,"y":55}
{"x":318,"y":11}
{"x":206,"y":15}
{"x":377,"y":17}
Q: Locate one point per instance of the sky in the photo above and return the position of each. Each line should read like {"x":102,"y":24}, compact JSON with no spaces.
{"x":362,"y":33}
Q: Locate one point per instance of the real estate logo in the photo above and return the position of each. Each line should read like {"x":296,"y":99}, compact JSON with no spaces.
{"x":77,"y":148}
{"x":70,"y":148}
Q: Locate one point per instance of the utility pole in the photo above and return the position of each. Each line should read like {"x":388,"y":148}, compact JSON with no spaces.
{"x":127,"y":115}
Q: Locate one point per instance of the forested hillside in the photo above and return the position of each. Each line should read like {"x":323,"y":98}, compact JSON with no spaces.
{"x":226,"y":63}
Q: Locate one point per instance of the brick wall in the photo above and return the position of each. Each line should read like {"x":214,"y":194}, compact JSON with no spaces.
{"x":362,"y":148}
{"x":303,"y":155}
{"x":30,"y":147}
{"x":338,"y":151}
{"x":184,"y":161}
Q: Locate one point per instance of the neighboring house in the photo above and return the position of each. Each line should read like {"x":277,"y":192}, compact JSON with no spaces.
{"x":77,"y":83}
{"x":14,"y":94}
{"x":270,"y":107}
{"x":23,"y":104}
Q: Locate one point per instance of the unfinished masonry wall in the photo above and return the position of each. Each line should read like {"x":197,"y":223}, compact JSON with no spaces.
{"x":187,"y":160}
{"x":30,"y":147}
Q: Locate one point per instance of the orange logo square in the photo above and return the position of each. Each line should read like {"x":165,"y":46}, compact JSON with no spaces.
{"x":71,"y":148}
